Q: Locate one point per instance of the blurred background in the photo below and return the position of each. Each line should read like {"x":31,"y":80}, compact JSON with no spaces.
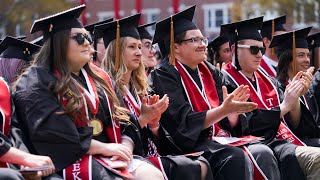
{"x":17,"y":16}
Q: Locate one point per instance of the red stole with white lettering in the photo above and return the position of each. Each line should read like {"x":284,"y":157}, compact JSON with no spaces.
{"x":264,"y":66}
{"x":201,"y":100}
{"x":5,"y":110}
{"x":82,"y":168}
{"x":266,"y":96}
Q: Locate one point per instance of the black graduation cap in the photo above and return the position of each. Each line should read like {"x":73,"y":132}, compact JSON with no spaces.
{"x":38,"y":41}
{"x":217,"y":42}
{"x":247,"y":29}
{"x":90,"y":27}
{"x":14,"y":48}
{"x":125,"y":27}
{"x":144,"y":34}
{"x":172,"y":26}
{"x":291,"y":40}
{"x":314,"y":40}
{"x":273,"y":25}
{"x":61,"y":21}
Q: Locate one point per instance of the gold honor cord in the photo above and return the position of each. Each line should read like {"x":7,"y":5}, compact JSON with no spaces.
{"x":294,"y":63}
{"x":117,"y":63}
{"x":172,"y":58}
{"x":272,"y":34}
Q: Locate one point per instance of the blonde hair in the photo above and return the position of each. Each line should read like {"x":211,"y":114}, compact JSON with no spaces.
{"x":138,"y":76}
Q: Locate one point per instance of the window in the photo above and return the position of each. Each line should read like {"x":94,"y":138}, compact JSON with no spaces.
{"x":151,"y":15}
{"x":103,"y":15}
{"x":215,"y":15}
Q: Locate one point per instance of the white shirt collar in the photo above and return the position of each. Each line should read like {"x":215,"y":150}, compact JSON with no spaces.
{"x":269,"y":61}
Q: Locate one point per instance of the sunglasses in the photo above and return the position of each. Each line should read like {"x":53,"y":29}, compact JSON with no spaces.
{"x":80,"y":38}
{"x":254,"y":50}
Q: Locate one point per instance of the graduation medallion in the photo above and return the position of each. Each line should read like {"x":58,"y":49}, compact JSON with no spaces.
{"x":97,"y":126}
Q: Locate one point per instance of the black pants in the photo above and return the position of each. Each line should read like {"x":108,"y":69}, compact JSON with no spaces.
{"x":227,"y":162}
{"x":10,"y":174}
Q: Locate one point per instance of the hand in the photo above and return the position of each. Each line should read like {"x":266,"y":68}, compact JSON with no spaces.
{"x":232,"y":106}
{"x":306,"y":79}
{"x":240,"y":94}
{"x":151,"y":113}
{"x":39,"y":161}
{"x":220,"y":67}
{"x":117,"y":151}
{"x":291,"y":95}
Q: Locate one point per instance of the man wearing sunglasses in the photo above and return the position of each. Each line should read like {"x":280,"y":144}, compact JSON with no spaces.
{"x":247,"y":48}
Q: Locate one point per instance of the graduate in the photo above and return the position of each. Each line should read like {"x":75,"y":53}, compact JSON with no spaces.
{"x":219,"y":50}
{"x":182,"y":71}
{"x":147,"y":49}
{"x":305,"y":127}
{"x":131,"y":80}
{"x":247,"y":49}
{"x":270,"y":28}
{"x":97,"y":42}
{"x":314,"y":44}
{"x":16,"y":55}
{"x":69,"y":109}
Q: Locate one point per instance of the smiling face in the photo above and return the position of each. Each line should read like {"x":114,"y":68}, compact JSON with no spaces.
{"x":191,"y":53}
{"x":132,"y":53}
{"x":302,"y":59}
{"x":78,"y":55}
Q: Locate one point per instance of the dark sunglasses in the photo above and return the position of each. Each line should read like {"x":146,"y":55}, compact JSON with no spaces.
{"x":254,"y":50}
{"x":80,"y":38}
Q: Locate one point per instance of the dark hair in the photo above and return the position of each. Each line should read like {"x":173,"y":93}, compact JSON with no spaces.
{"x":285,"y":59}
{"x":65,"y":86}
{"x":165,"y":47}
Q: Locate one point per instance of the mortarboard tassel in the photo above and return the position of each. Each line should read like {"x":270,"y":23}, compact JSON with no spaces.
{"x":236,"y":50}
{"x":312,"y":61}
{"x":294,"y":62}
{"x":172,"y":58}
{"x":117,"y":63}
{"x":272,"y":34}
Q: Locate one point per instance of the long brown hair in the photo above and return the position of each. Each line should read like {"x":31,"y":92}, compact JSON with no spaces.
{"x":65,"y":86}
{"x":138,"y":76}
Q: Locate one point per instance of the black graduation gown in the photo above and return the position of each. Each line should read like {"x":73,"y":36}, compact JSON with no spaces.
{"x":308,"y":130}
{"x":262,"y":122}
{"x":186,"y":126}
{"x":49,"y":133}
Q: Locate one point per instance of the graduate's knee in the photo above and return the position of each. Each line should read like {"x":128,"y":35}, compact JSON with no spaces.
{"x":10,"y":174}
{"x":262,"y":153}
{"x":146,"y":170}
{"x":309,"y":161}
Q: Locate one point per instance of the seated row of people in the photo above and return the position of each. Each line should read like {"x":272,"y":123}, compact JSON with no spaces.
{"x":78,"y":112}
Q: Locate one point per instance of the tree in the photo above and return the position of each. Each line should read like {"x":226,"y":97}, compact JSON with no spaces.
{"x":24,"y":12}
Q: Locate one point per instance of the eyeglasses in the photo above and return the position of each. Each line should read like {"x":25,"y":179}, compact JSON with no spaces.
{"x":80,"y":38}
{"x":196,"y":40}
{"x":254,"y":50}
{"x":149,"y":46}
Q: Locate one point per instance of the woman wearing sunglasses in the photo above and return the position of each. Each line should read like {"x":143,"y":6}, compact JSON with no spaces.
{"x":69,"y":109}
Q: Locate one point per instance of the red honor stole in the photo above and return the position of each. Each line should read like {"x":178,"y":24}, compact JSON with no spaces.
{"x":266,"y":96}
{"x":82,"y":168}
{"x":201,"y":100}
{"x":264,"y":66}
{"x":131,"y":103}
{"x":5,"y":110}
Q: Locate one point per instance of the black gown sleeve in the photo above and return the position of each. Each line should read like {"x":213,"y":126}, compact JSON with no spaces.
{"x":4,"y":144}
{"x":48,"y":132}
{"x":182,"y":123}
